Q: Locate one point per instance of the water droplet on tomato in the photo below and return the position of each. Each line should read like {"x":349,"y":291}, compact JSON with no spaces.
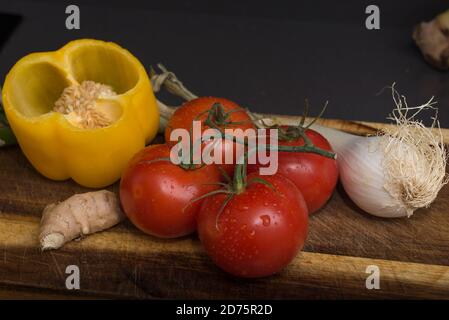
{"x":137,"y":192}
{"x":265,"y":220}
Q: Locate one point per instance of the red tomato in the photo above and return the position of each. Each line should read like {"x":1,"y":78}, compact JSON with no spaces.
{"x":315,"y":175}
{"x":259,"y":231}
{"x":157,"y":195}
{"x":197,"y":110}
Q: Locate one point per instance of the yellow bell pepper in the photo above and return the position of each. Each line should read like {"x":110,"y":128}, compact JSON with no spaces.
{"x":61,"y":146}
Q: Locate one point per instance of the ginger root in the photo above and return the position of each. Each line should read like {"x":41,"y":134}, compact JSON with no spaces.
{"x":432,"y":38}
{"x":79,"y":215}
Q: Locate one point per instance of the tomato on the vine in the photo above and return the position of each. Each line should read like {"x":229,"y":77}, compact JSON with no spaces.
{"x":158,"y":196}
{"x":315,"y":175}
{"x":212,"y":112}
{"x":257,"y":232}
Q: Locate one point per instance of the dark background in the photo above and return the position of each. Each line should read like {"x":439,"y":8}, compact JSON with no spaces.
{"x":265,"y":55}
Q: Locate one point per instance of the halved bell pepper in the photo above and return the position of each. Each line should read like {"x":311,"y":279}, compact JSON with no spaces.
{"x":58,"y":149}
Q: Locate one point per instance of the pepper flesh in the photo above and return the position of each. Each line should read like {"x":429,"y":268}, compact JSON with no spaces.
{"x":93,"y":157}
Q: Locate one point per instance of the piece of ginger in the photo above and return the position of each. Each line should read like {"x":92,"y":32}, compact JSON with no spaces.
{"x":432,"y":38}
{"x":79,"y":215}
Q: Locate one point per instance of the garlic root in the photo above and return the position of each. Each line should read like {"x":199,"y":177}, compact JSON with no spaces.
{"x":79,"y":215}
{"x":414,"y":157}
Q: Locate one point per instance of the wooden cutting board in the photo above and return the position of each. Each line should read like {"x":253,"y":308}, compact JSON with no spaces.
{"x":412,"y":254}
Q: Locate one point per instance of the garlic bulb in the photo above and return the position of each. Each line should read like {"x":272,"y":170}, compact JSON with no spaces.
{"x":362,"y":176}
{"x":393,"y":174}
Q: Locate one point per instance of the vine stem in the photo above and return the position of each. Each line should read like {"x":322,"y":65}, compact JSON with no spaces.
{"x":165,"y":113}
{"x":168,"y":80}
{"x":172,"y":84}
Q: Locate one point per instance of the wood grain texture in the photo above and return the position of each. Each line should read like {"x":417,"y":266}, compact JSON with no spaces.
{"x":355,"y":127}
{"x":412,"y":254}
{"x":125,"y":263}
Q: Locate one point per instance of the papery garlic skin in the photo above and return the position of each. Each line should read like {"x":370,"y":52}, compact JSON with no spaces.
{"x":390,"y":175}
{"x":360,"y":162}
